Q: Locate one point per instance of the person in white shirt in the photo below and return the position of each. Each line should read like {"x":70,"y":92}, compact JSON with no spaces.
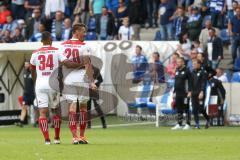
{"x":44,"y":62}
{"x":52,"y":6}
{"x":125,"y":31}
{"x":221,"y":76}
{"x":67,"y":29}
{"x":78,"y":82}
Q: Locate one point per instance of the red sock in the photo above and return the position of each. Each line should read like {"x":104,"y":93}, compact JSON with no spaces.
{"x":43,"y":125}
{"x":83,"y":122}
{"x":57,"y":126}
{"x":73,"y":124}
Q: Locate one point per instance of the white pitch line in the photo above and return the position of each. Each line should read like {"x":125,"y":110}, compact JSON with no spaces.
{"x":124,"y":125}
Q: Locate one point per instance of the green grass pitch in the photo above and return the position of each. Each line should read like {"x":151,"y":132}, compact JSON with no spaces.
{"x":141,"y":142}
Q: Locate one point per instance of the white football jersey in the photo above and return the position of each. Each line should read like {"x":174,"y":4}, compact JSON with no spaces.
{"x":74,"y":50}
{"x":46,"y":60}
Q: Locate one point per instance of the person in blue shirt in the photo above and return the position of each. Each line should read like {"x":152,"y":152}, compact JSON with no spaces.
{"x":140,"y":65}
{"x":167,"y":10}
{"x":157,"y":69}
{"x":234,"y":32}
{"x":217,"y":12}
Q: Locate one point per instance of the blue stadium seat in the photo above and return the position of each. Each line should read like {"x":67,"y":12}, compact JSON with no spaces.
{"x":236,"y":77}
{"x":143,"y":101}
{"x":237,"y":64}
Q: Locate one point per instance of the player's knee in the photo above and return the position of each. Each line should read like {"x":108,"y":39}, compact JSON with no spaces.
{"x":43,"y":112}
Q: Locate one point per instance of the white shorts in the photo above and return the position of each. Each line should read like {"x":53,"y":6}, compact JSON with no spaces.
{"x":47,"y":98}
{"x":77,"y":78}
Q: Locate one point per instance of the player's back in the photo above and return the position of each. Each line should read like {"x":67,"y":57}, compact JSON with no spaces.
{"x":74,"y":50}
{"x":46,"y":59}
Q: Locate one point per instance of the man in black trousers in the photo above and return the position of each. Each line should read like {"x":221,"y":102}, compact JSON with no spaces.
{"x":182,"y":88}
{"x":199,"y":80}
{"x":94,"y":96}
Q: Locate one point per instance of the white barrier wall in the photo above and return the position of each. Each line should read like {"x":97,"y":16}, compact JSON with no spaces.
{"x":12,"y":57}
{"x":15,"y":54}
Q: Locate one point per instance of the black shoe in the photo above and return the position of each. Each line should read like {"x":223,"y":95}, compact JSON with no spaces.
{"x":104,"y":126}
{"x":207,"y":125}
{"x":19,"y":124}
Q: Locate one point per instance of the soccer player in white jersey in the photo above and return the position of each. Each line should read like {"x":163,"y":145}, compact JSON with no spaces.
{"x":76,"y":50}
{"x":44,"y":61}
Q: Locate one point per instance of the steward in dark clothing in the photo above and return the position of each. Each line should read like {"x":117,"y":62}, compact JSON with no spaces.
{"x":218,"y":90}
{"x":182,"y":88}
{"x":94,"y":96}
{"x":199,"y":80}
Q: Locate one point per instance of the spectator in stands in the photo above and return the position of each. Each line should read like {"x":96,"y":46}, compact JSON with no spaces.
{"x":82,"y":9}
{"x":196,"y":45}
{"x":125,"y":31}
{"x":157,"y":69}
{"x":204,"y":35}
{"x":96,"y":8}
{"x":220,"y":75}
{"x":112,"y":5}
{"x":38,"y":36}
{"x":180,"y":23}
{"x":171,"y":67}
{"x":32,"y":24}
{"x":31,"y":5}
{"x":231,"y":6}
{"x":194,"y":24}
{"x":70,"y":7}
{"x":58,"y":25}
{"x":184,"y":48}
{"x":167,"y":9}
{"x":67,"y":32}
{"x":136,"y":17}
{"x":18,"y":37}
{"x":217,"y":9}
{"x":193,"y":56}
{"x":234,"y":32}
{"x":217,"y":48}
{"x":122,"y":12}
{"x":91,"y":33}
{"x":107,"y":25}
{"x":6,"y":38}
{"x":151,"y":11}
{"x":22,"y":27}
{"x":11,"y":25}
{"x":4,"y":13}
{"x":140,"y":65}
{"x":52,"y":6}
{"x":17,"y":8}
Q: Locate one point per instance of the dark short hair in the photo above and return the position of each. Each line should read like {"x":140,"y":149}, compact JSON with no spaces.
{"x":138,"y":46}
{"x":78,"y":26}
{"x":197,"y":60}
{"x":212,"y":29}
{"x":157,"y":53}
{"x":176,"y":54}
{"x":46,"y":36}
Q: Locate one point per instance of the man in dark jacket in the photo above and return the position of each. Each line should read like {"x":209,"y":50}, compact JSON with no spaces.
{"x":107,"y":29}
{"x":180,"y":23}
{"x":28,"y":94}
{"x":218,"y":90}
{"x":199,"y":80}
{"x":182,"y":88}
{"x":194,"y":24}
{"x":94,"y":96}
{"x":136,"y":16}
{"x":217,"y":48}
{"x":32,"y":24}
